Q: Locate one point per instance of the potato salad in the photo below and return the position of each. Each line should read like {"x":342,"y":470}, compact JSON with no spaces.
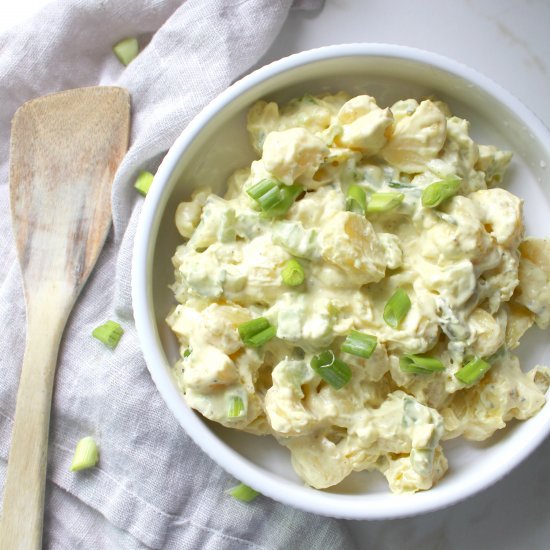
{"x":359,"y":290}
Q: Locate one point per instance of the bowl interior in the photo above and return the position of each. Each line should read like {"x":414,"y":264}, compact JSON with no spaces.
{"x":217,"y":144}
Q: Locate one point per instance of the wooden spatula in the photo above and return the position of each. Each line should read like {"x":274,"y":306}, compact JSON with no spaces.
{"x":65,"y":149}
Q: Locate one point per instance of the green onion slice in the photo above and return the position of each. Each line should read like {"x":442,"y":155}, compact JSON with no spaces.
{"x":383,"y":202}
{"x":333,"y":371}
{"x":356,"y":199}
{"x":266,"y":193}
{"x":143,"y":182}
{"x":473,"y":370}
{"x":439,"y":191}
{"x":126,"y":50}
{"x":293,"y":273}
{"x":109,"y":333}
{"x":360,"y":344}
{"x":274,"y":197}
{"x":86,"y":454}
{"x":396,"y":308}
{"x":236,"y":407}
{"x":243,"y":493}
{"x":187,"y":353}
{"x":420,"y":364}
{"x":257,"y":332}
{"x":289,"y":193}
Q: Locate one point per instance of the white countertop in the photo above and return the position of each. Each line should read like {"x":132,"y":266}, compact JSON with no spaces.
{"x":508,"y":41}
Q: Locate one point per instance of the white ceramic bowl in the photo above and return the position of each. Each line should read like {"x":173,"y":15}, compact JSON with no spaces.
{"x":216,"y":143}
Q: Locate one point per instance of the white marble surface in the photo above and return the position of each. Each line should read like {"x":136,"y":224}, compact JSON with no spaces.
{"x":509,"y":41}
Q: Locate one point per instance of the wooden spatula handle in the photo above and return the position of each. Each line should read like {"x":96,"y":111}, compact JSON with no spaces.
{"x":22,"y":515}
{"x":65,"y":150}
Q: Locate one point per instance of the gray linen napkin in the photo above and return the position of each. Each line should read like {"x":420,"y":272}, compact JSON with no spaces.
{"x":153,"y":487}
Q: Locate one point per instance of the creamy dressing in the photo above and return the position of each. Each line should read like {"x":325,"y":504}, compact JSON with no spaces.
{"x":474,"y":282}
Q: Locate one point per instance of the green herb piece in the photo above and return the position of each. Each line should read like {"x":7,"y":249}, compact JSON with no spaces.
{"x":383,"y":202}
{"x":257,"y":332}
{"x":109,"y":333}
{"x":243,"y":493}
{"x":439,"y":191}
{"x":274,"y":197}
{"x":399,"y":185}
{"x":396,"y":308}
{"x":126,"y":50}
{"x":473,"y":370}
{"x":356,"y":199}
{"x":360,"y":344}
{"x":143,"y":182}
{"x":85,"y":455}
{"x":333,"y":371}
{"x":420,"y":364}
{"x":293,"y":273}
{"x":187,"y":353}
{"x":236,"y":407}
{"x":289,"y":193}
{"x":266,"y":193}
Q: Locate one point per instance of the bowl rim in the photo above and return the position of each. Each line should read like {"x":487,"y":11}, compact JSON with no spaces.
{"x":365,"y":506}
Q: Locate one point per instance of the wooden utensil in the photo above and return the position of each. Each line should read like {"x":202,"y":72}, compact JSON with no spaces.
{"x":65,"y":149}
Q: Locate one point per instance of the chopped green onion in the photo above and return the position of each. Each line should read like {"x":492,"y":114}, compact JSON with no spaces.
{"x":143,"y":182}
{"x":85,"y":455}
{"x":257,"y":332}
{"x":289,"y":193}
{"x":236,"y":407}
{"x":473,"y":370}
{"x":187,"y":353}
{"x":333,"y":371}
{"x":383,"y":202}
{"x":399,"y":185}
{"x":420,"y":364}
{"x":359,"y":343}
{"x":293,"y":273}
{"x":356,"y":199}
{"x":266,"y":193}
{"x":396,"y":308}
{"x":126,"y":50}
{"x":274,"y":197}
{"x":439,"y":191}
{"x":243,"y":493}
{"x":109,"y":333}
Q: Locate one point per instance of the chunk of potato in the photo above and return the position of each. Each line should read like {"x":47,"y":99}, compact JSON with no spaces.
{"x":350,"y":242}
{"x":416,"y":139}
